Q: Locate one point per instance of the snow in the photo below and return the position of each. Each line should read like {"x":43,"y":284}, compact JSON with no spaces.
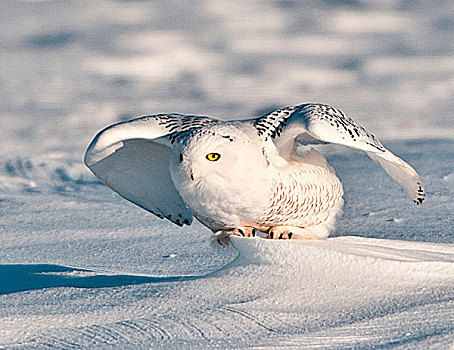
{"x":82,"y":268}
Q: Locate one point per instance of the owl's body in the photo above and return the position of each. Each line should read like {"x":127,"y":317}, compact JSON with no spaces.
{"x":236,"y":177}
{"x":261,"y":190}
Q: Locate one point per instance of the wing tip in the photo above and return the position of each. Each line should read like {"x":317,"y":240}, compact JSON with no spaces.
{"x":419,"y":201}
{"x":421,"y":194}
{"x":180,"y":221}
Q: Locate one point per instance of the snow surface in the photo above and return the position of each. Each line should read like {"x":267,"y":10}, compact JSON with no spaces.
{"x":82,"y":268}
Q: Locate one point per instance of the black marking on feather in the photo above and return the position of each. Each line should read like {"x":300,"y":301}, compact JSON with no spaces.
{"x":197,"y":132}
{"x":342,"y":122}
{"x":180,"y":221}
{"x":177,"y":124}
{"x":159,"y":215}
{"x":273,"y":124}
{"x":227,"y":137}
{"x":421,"y":194}
{"x":420,"y":189}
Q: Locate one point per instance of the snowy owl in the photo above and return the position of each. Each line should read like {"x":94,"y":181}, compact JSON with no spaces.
{"x":243,"y":176}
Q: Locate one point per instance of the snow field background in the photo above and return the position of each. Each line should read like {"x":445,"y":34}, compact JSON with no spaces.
{"x":82,"y":268}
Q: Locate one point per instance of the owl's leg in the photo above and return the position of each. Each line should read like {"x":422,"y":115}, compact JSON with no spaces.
{"x":290,"y":232}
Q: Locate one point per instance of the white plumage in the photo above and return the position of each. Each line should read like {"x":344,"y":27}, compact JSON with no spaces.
{"x":237,"y":177}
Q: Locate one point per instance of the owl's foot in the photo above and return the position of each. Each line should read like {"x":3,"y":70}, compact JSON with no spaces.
{"x":244,"y":231}
{"x":223,"y":236}
{"x":289,"y":232}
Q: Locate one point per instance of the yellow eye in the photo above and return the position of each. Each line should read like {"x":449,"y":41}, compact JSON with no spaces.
{"x":212,"y":157}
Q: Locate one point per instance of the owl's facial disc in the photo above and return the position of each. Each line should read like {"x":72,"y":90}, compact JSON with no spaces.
{"x":219,"y":155}
{"x":206,"y":156}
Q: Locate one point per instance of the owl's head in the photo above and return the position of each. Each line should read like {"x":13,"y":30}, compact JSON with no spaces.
{"x":228,"y":152}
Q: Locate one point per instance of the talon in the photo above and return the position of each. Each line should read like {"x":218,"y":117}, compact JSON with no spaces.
{"x":253,"y":232}
{"x":242,"y":231}
{"x":292,"y":232}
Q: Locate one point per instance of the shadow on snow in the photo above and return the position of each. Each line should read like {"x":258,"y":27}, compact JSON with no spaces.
{"x":23,"y":277}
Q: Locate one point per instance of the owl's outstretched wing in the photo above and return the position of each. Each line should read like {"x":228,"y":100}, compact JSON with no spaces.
{"x":317,"y":123}
{"x":133,"y":159}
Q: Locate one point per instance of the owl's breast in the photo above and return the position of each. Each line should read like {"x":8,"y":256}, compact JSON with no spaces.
{"x":303,"y":197}
{"x":222,"y":202}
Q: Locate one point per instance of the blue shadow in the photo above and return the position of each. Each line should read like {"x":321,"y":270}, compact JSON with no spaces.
{"x":17,"y":278}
